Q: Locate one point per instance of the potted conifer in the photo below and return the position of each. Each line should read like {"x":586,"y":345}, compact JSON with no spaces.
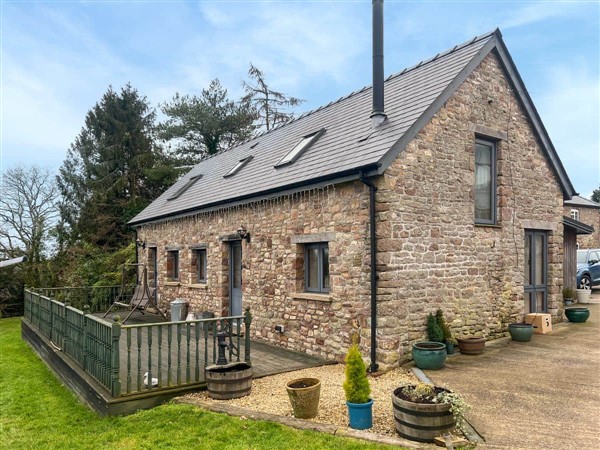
{"x":446,"y":333}
{"x":568,"y":295}
{"x":430,"y":354}
{"x":358,"y":390}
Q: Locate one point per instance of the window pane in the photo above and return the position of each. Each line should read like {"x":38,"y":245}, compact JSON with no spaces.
{"x":483,"y":182}
{"x":539,"y":259}
{"x":194,"y":268}
{"x":539,"y":302}
{"x":325,"y":257}
{"x":527,"y":302}
{"x":202,"y":265}
{"x":312,"y":280}
{"x":236,"y":260}
{"x":527,"y":259}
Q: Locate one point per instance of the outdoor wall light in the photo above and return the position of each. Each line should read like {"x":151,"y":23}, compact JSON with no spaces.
{"x":243,"y":233}
{"x":141,"y":244}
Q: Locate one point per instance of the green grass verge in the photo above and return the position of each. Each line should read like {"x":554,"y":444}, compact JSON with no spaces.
{"x":37,"y":412}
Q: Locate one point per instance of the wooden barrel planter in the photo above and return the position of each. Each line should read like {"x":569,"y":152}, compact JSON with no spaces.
{"x":471,"y":345}
{"x":229,"y":381}
{"x":421,"y":422}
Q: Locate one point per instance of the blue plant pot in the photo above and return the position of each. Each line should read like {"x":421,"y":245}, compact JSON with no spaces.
{"x":521,"y":332}
{"x":577,"y":315}
{"x":429,"y":355}
{"x":361,"y":415}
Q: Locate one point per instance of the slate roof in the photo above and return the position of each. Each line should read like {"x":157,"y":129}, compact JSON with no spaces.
{"x":582,"y":202}
{"x":348,"y":145}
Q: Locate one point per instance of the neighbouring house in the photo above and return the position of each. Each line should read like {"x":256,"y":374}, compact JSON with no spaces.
{"x":355,"y":220}
{"x":586,"y":211}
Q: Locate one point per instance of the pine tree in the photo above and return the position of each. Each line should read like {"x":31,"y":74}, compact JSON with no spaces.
{"x":203,"y":126}
{"x":112,"y":171}
{"x":271,"y":106}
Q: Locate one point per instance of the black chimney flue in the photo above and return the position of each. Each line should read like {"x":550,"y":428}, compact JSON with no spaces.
{"x":378,"y":113}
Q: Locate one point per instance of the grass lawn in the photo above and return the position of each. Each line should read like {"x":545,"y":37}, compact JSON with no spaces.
{"x":37,"y":412}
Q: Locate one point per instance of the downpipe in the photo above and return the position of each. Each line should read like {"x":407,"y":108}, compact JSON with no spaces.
{"x":373,"y":367}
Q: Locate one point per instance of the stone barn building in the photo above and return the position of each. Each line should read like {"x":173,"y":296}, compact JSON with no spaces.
{"x":350,"y":220}
{"x":586,"y":211}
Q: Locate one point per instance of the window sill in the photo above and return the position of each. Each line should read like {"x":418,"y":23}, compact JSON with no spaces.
{"x":488,"y":225}
{"x":310,"y":296}
{"x":173,"y":283}
{"x":198,"y":286}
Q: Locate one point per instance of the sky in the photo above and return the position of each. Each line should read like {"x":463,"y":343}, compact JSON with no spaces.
{"x":59,"y":57}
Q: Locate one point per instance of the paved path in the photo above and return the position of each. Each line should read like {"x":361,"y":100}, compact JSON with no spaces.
{"x":543,"y":394}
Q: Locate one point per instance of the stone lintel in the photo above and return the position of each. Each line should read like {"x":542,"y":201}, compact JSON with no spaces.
{"x":539,"y":225}
{"x":484,"y":131}
{"x":314,"y":237}
{"x":198,"y":246}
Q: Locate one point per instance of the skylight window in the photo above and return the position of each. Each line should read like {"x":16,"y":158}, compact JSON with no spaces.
{"x":185,"y":187}
{"x":300,"y":148}
{"x":241,"y":163}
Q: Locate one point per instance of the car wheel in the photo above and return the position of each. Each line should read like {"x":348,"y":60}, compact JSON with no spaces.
{"x":585,"y":283}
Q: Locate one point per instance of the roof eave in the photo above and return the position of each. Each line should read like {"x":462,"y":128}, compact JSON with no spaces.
{"x":579,"y":227}
{"x":353,"y":174}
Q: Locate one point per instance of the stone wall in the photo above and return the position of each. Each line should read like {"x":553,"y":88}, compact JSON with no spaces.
{"x":431,"y":253}
{"x":589,"y":216}
{"x":273,"y":266}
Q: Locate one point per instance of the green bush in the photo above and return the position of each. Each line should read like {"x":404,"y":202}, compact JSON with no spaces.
{"x":356,"y":386}
{"x":439,"y":317}
{"x":434,"y":332}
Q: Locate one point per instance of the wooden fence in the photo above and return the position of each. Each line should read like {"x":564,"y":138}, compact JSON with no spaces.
{"x":130,"y":359}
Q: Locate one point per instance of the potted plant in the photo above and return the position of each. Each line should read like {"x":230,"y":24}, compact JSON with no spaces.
{"x":583,"y":295}
{"x":358,"y":390}
{"x":446,"y":333}
{"x":568,"y":295}
{"x":423,"y":412}
{"x":471,"y":345}
{"x":577,"y":315}
{"x":304,"y":394}
{"x":521,"y":332}
{"x":430,"y":354}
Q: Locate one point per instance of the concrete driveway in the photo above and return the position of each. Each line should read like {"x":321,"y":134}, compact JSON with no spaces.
{"x":542,"y":394}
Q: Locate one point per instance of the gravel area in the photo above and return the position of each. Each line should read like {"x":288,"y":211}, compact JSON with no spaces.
{"x":269,"y":395}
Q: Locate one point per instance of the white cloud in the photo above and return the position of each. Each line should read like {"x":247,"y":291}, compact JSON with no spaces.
{"x":538,"y":12}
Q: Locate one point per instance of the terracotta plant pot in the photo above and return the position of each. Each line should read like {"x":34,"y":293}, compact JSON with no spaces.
{"x":304,"y":394}
{"x":471,"y":345}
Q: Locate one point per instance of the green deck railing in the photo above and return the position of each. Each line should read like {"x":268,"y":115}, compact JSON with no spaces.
{"x":98,"y":298}
{"x":130,"y":359}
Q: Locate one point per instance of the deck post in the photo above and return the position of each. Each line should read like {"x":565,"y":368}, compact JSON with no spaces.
{"x":247,"y":322}
{"x":115,"y":363}
{"x":86,"y":311}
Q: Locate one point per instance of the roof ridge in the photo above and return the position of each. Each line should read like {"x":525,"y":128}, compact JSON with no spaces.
{"x":364,"y":88}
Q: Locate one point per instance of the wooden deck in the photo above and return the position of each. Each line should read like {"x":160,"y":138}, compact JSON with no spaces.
{"x":266,"y":359}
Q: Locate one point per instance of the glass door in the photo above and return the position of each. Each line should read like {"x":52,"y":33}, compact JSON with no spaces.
{"x":536,"y":271}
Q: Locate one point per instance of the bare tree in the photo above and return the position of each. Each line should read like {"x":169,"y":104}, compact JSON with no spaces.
{"x":271,"y":106}
{"x":28,"y":211}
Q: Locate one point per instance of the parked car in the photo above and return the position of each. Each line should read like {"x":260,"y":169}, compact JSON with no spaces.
{"x":588,"y":268}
